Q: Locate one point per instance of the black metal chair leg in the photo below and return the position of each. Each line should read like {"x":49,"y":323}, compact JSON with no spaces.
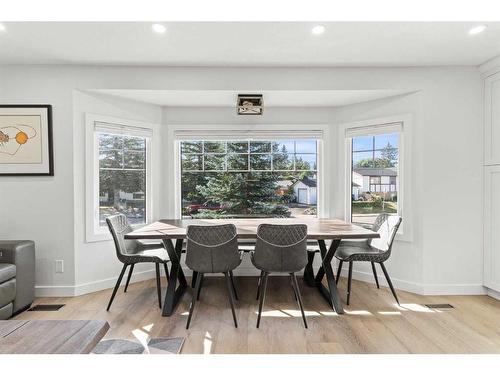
{"x":117,"y":286}
{"x":293,"y":286}
{"x":349,"y":281}
{"x":158,"y":283}
{"x":128,"y":277}
{"x":259,"y":283}
{"x":262,"y":295}
{"x":339,"y":271}
{"x":233,"y":285}
{"x":202,"y":278}
{"x":193,"y":300}
{"x":231,"y":296}
{"x":375,"y":275}
{"x":389,"y":282}
{"x":165,"y":266}
{"x":299,"y":297}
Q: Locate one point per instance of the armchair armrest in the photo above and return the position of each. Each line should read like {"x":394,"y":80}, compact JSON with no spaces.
{"x":22,"y":254}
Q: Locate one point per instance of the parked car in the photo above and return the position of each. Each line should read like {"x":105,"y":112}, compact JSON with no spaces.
{"x":195,"y":207}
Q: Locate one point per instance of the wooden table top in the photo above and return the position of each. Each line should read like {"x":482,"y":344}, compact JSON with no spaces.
{"x":318,"y":229}
{"x":50,"y":336}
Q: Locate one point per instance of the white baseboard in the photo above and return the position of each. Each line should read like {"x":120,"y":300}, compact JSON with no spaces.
{"x":409,"y":286}
{"x":94,"y":286}
{"x":493,"y":293}
{"x":418,"y":288}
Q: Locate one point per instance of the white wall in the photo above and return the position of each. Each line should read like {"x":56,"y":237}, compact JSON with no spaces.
{"x":446,"y":149}
{"x":96,"y":265}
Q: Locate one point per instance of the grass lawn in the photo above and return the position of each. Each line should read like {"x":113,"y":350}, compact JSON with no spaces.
{"x":364,"y":208}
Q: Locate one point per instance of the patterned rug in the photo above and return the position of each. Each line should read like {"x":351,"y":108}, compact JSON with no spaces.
{"x":160,"y":345}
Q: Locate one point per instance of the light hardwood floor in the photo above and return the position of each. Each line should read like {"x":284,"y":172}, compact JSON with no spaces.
{"x":373,"y":323}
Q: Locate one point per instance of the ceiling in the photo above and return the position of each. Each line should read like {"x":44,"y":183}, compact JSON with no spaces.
{"x":248,"y":44}
{"x":278,"y":98}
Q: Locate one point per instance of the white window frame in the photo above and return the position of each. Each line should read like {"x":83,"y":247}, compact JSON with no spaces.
{"x":178,"y":133}
{"x":93,"y":231}
{"x":402,"y":124}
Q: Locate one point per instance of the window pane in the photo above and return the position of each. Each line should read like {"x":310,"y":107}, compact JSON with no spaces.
{"x":383,"y":140}
{"x":238,"y":181}
{"x":239,"y":147}
{"x":215,"y":162}
{"x":260,"y":147}
{"x":305,"y":162}
{"x":192,"y":162}
{"x":192,"y":147}
{"x":123,"y":192}
{"x":215,"y":147}
{"x":135,"y":160}
{"x":282,"y":162}
{"x":260,"y":162}
{"x":134,"y":143}
{"x":305,"y":146}
{"x":374,"y":177}
{"x":362,"y":159}
{"x":284,"y":146}
{"x":362,"y":143}
{"x":237,"y":162}
{"x":111,"y":159}
{"x":110,"y":141}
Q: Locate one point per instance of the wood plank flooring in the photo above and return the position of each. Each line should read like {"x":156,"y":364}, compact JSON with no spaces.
{"x":373,"y":323}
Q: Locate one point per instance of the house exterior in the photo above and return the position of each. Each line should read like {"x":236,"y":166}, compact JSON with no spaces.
{"x":374,"y":180}
{"x":305,"y":191}
{"x":139,"y":196}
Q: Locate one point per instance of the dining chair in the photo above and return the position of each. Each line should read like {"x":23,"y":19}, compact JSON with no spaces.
{"x":131,"y":252}
{"x":280,"y":248}
{"x":212,"y":249}
{"x":374,"y":250}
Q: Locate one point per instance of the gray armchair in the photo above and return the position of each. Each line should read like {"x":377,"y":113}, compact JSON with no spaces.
{"x":17,"y":276}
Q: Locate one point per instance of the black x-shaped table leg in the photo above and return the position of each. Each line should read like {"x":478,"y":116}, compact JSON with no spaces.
{"x":331,"y":293}
{"x":173,"y":294}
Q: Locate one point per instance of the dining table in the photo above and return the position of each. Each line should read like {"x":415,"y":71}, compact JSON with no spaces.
{"x":318,"y":229}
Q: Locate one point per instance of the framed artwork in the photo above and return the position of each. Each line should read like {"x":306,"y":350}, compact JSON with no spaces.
{"x":26,"y":140}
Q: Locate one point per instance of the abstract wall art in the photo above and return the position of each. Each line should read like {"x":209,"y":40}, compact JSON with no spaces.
{"x":26,"y":140}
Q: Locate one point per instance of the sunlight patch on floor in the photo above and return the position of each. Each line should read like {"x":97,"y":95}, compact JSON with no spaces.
{"x":389,"y":312}
{"x":357,"y":312}
{"x":414,"y":307}
{"x":207,"y":343}
{"x":142,"y":335}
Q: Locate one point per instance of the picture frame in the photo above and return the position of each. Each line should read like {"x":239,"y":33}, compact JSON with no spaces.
{"x":26,"y":144}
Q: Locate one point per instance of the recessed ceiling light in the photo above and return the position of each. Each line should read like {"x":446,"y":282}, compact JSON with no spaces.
{"x":477,"y":29}
{"x":159,"y":28}
{"x":2,"y":27}
{"x":318,"y":30}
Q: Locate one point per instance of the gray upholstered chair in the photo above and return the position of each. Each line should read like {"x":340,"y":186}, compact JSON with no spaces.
{"x":212,"y":249}
{"x":375,"y":250}
{"x":17,"y":276}
{"x":280,"y":248}
{"x":131,"y":252}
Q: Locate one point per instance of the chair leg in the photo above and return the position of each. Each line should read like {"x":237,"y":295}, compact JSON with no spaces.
{"x":231,"y":296}
{"x":339,"y":270}
{"x":262,"y":295}
{"x":193,"y":300}
{"x":293,"y":286}
{"x":165,"y":266}
{"x":299,"y":297}
{"x":233,"y":285}
{"x":117,"y":286}
{"x":202,"y":278}
{"x":128,"y":277}
{"x":158,"y":283}
{"x":375,"y":275}
{"x":349,"y":282}
{"x":389,"y":282}
{"x":259,"y":283}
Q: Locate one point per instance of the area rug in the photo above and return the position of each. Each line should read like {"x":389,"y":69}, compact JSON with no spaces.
{"x":160,"y":345}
